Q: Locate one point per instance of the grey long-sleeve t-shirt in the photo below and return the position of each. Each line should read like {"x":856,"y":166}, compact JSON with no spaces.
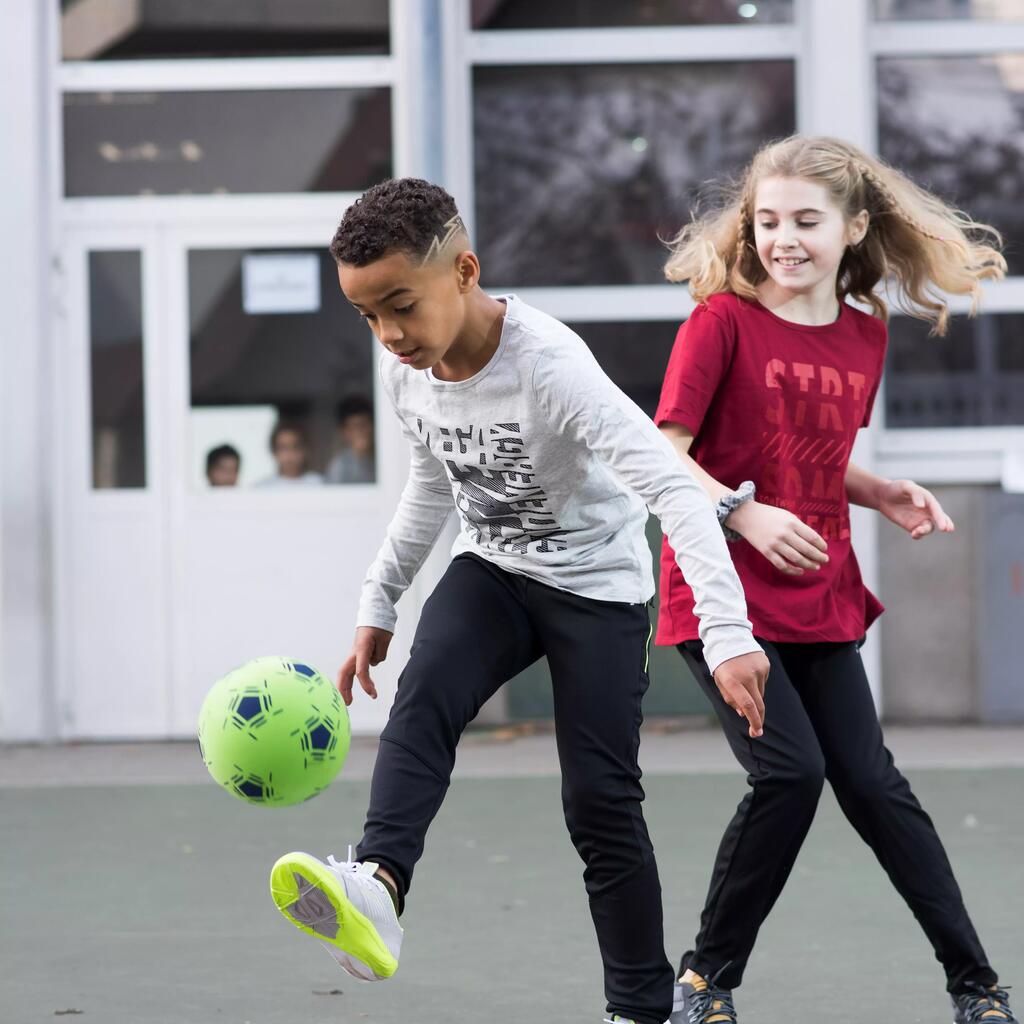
{"x":549,"y":466}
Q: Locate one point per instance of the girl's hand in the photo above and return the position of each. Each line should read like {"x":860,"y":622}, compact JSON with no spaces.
{"x":369,"y":648}
{"x":913,"y":508}
{"x":787,"y":542}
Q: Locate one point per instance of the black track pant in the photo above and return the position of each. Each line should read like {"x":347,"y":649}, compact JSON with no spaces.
{"x":480,"y":627}
{"x":820,"y":723}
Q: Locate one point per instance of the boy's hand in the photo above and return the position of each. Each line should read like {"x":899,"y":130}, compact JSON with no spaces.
{"x":786,"y":541}
{"x":369,"y":648}
{"x":913,"y":508}
{"x":741,"y":681}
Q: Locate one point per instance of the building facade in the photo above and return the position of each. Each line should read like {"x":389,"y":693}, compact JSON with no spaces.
{"x":172,"y":173}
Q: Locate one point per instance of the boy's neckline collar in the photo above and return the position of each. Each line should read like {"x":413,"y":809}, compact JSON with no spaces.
{"x":452,"y":385}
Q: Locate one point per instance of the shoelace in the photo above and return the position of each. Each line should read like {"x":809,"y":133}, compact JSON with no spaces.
{"x":374,"y":891}
{"x":343,"y":865}
{"x":703,"y":1003}
{"x":984,"y":1000}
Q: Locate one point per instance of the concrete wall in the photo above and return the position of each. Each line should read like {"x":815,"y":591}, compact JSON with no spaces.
{"x":929,"y":630}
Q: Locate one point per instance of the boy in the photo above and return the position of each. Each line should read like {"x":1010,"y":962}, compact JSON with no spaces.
{"x":507,"y":412}
{"x":223,"y":464}
{"x":290,"y":449}
{"x":354,"y":462}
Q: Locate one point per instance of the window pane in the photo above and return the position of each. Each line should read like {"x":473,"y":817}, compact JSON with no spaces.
{"x":487,"y":14}
{"x":956,"y":126}
{"x":116,"y":370}
{"x":974,"y":377}
{"x":134,"y":30}
{"x":273,"y":341}
{"x":634,"y":355}
{"x":173,"y":143}
{"x":940,"y":10}
{"x":580,"y":169}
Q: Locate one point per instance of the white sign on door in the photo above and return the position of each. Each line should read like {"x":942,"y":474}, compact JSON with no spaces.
{"x":281,"y":283}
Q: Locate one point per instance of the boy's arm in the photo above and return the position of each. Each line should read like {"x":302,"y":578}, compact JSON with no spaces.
{"x":422,"y":511}
{"x":580,"y":400}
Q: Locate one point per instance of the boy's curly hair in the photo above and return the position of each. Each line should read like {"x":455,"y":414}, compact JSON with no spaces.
{"x":406,"y":215}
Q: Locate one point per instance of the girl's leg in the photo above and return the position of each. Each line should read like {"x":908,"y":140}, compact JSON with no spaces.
{"x":877,"y":800}
{"x":597,"y":652}
{"x":472,"y":636}
{"x":785,"y":772}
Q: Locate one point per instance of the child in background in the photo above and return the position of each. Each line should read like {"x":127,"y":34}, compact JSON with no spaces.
{"x":354,"y":462}
{"x":222,"y":466}
{"x":290,"y":449}
{"x":768,"y":383}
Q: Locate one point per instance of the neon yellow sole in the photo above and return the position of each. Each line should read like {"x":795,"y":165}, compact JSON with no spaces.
{"x":299,"y":883}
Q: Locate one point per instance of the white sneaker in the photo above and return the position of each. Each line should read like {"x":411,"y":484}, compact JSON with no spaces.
{"x":345,"y":907}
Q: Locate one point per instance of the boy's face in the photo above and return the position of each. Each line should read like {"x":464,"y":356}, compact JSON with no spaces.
{"x":357,"y":433}
{"x":224,"y":472}
{"x":415,"y":310}
{"x":290,"y":453}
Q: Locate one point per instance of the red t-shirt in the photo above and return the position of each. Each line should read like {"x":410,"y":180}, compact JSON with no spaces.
{"x":780,"y":404}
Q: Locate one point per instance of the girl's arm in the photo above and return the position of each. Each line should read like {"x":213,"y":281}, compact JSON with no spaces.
{"x":909,"y":505}
{"x":864,"y":488}
{"x":787,"y":542}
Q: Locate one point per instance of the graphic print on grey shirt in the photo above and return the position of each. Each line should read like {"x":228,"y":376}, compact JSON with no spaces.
{"x":549,"y":466}
{"x":495,"y":489}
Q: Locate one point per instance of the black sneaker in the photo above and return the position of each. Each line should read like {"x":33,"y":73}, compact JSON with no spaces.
{"x":702,"y":1002}
{"x":983,"y":1005}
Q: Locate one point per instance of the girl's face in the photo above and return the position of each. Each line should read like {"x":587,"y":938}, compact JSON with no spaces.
{"x":801,"y":235}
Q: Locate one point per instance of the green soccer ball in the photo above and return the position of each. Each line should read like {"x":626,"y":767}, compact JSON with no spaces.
{"x":273,"y":732}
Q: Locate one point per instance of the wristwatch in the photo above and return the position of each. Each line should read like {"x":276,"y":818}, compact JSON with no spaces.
{"x":728,"y":504}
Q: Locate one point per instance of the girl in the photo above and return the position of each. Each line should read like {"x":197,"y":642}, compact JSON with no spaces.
{"x":769,"y":381}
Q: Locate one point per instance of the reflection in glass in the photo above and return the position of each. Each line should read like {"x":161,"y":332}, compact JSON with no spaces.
{"x":290,"y":386}
{"x":973,"y":377}
{"x":633,"y":354}
{"x":134,"y":30}
{"x":944,"y":10}
{"x":497,"y":14}
{"x":956,"y":126}
{"x":116,"y":370}
{"x":580,"y":169}
{"x":175,"y":143}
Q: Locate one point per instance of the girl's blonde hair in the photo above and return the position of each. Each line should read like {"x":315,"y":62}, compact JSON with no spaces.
{"x":925,"y":246}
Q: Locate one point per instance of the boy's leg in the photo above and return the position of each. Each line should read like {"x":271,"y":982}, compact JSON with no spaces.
{"x":878,"y":801}
{"x":472,"y":636}
{"x":597,"y":652}
{"x":785,"y":770}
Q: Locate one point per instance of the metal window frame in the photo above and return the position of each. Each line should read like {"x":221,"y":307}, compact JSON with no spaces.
{"x":952,"y":455}
{"x":836,"y":94}
{"x":78,"y":225}
{"x":400,"y":71}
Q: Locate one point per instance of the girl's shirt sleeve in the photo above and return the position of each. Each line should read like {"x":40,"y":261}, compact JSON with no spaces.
{"x":700,"y":360}
{"x":883,"y":343}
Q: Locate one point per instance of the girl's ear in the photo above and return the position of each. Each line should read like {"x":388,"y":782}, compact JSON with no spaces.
{"x":857,"y":228}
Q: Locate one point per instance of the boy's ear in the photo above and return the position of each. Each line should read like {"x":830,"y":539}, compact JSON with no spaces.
{"x":467,"y":270}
